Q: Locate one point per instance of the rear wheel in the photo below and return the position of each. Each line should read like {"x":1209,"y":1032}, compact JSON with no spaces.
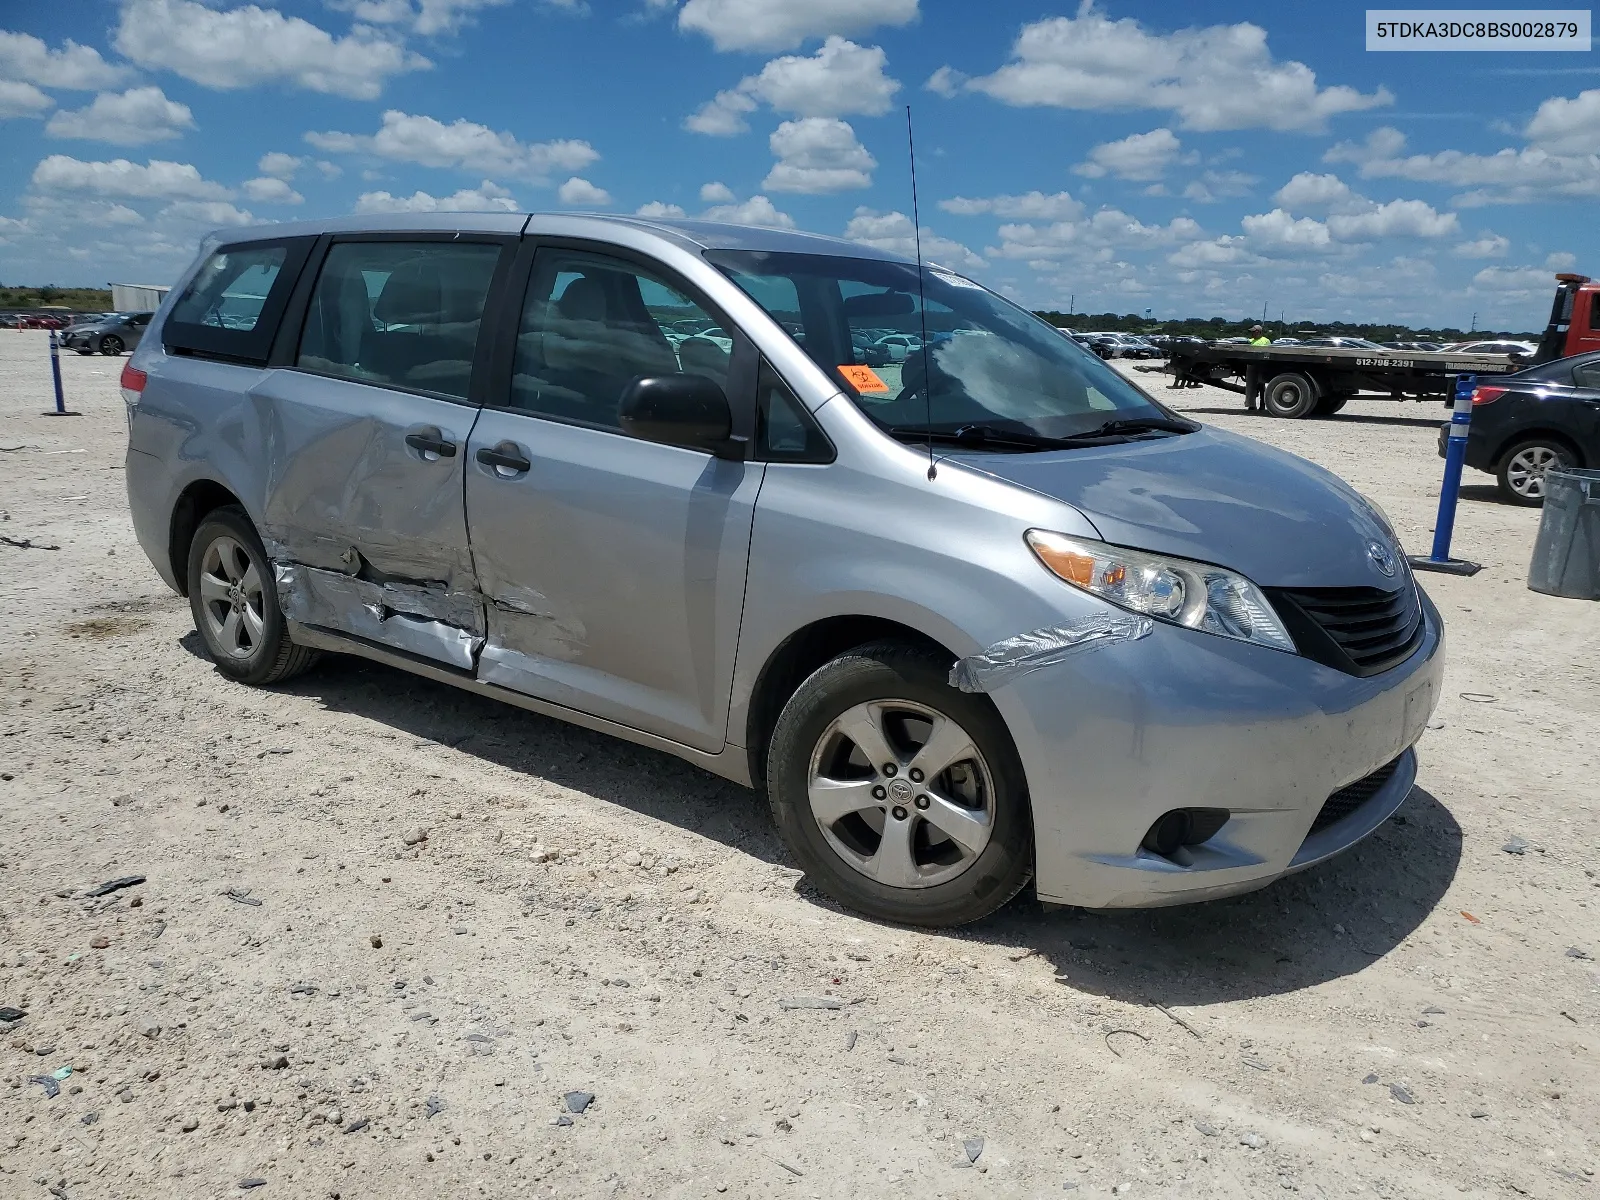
{"x":1289,"y":395}
{"x":901,"y":797}
{"x":111,"y":345}
{"x":1522,"y":468}
{"x":235,"y":603}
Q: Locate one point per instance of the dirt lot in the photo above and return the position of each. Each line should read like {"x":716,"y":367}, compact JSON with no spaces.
{"x":1416,"y":1019}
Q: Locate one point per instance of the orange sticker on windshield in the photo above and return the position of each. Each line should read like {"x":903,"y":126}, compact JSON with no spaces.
{"x":862,"y":378}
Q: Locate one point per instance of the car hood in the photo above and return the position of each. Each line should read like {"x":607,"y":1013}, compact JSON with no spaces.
{"x":1219,"y":498}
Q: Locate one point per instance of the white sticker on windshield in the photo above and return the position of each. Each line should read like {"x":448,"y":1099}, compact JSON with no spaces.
{"x":953,"y":279}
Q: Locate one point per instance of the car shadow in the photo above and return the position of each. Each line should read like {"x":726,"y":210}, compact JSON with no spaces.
{"x":1346,"y":417}
{"x":649,"y":782}
{"x":1330,"y":921}
{"x":1485,"y":493}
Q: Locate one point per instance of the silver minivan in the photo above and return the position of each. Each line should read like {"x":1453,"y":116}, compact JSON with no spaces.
{"x":984,"y":614}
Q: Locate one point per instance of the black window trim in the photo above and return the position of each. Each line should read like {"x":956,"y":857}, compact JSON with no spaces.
{"x":286,"y":347}
{"x":251,"y":347}
{"x":766,"y":369}
{"x":743,"y":362}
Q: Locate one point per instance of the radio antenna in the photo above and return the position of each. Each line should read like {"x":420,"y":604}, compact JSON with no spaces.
{"x":922,"y":302}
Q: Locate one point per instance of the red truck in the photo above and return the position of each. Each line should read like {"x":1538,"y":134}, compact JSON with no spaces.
{"x":1574,"y":319}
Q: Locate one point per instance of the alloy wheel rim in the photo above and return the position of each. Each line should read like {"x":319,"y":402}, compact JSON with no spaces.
{"x":901,"y":793}
{"x":231,"y":598}
{"x":1526,"y":470}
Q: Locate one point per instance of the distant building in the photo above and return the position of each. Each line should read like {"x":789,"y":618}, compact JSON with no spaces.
{"x":137,"y":297}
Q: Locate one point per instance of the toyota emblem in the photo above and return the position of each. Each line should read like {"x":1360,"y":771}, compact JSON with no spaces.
{"x":1382,"y":558}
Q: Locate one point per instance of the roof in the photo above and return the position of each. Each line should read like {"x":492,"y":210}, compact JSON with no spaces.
{"x":697,"y":235}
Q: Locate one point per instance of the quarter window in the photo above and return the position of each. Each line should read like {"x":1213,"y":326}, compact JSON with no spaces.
{"x":591,"y":325}
{"x":1587,"y":375}
{"x":785,"y":431}
{"x":400,"y":314}
{"x":232,"y":306}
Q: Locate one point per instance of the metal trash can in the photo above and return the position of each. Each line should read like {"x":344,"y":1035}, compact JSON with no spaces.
{"x":1566,"y":554}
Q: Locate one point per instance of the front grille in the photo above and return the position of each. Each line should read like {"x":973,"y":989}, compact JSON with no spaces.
{"x":1360,"y":631}
{"x":1352,"y":796}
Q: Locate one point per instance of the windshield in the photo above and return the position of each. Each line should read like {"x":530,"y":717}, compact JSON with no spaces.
{"x":987,"y":365}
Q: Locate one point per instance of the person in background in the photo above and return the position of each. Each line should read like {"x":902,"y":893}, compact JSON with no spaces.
{"x":1258,"y":338}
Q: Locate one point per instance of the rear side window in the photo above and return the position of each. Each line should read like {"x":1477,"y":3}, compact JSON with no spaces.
{"x":232,"y":306}
{"x":400,"y":314}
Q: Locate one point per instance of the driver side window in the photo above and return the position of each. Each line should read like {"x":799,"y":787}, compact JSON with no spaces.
{"x":592,"y":324}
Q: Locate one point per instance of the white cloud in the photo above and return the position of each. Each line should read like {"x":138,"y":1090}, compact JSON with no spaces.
{"x":463,"y":144}
{"x":1490,"y":245}
{"x":1139,"y":156}
{"x":1032,"y":206}
{"x":1212,"y":186}
{"x":18,"y":99}
{"x":248,"y":46}
{"x":280,"y":165}
{"x":818,"y":155}
{"x":1278,"y":230}
{"x":1310,"y":192}
{"x":74,"y":67}
{"x":1560,"y":261}
{"x":62,"y":173}
{"x":1509,"y":176}
{"x":580,"y":193}
{"x":893,"y":231}
{"x":1398,"y":218}
{"x":841,"y":78}
{"x":212,"y":213}
{"x":757,"y":210}
{"x":132,"y":118}
{"x":1515,"y":280}
{"x":656,"y":210}
{"x":1564,"y":126}
{"x":1217,"y":77}
{"x":270,"y":190}
{"x":784,"y":24}
{"x":486,"y":197}
{"x":716,"y":192}
{"x":946,"y":82}
{"x":1089,"y":238}
{"x":426,"y":17}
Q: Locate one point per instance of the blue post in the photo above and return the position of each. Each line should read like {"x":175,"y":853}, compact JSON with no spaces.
{"x":55,"y":371}
{"x":1455,"y":457}
{"x":60,"y":410}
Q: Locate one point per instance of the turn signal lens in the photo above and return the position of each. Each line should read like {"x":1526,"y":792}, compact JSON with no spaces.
{"x":1195,"y":595}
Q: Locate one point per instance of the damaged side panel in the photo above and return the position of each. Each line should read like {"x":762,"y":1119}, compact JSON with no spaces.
{"x":368,"y":533}
{"x":434,"y":623}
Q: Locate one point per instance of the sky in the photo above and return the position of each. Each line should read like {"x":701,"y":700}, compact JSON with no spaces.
{"x":1191,"y":159}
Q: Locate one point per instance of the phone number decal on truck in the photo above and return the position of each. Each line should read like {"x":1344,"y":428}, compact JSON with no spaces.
{"x":1384,"y":362}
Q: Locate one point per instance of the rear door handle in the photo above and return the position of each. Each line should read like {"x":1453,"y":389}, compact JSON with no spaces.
{"x":431,"y":441}
{"x":506,"y":456}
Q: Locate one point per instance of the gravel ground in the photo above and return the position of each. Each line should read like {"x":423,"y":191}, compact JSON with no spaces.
{"x":387,"y":927}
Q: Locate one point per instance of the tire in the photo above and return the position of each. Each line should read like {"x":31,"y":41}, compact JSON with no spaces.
{"x":1520,"y":471}
{"x":1330,"y":404}
{"x":896,"y":695}
{"x":235,"y":603}
{"x":111,"y":345}
{"x":1289,"y":395}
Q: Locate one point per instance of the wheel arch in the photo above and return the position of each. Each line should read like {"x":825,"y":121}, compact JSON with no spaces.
{"x":801,"y":653}
{"x":199,"y":498}
{"x":1512,"y":440}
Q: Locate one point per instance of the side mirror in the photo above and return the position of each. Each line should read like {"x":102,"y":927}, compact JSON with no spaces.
{"x":680,"y":410}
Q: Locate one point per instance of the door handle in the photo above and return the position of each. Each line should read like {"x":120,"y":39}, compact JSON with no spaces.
{"x":431,"y":441}
{"x":506,"y":456}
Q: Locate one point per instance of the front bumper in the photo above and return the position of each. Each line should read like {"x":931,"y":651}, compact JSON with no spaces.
{"x":1113,"y":738}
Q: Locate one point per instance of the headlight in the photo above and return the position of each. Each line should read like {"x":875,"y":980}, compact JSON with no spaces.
{"x":1196,"y":595}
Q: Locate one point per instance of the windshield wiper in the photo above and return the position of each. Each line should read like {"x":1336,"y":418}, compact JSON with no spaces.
{"x":1136,"y":425}
{"x":978,"y":437}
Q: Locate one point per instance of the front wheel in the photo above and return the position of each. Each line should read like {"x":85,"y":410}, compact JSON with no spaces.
{"x":1523,"y":467}
{"x":235,"y":602}
{"x":111,"y":345}
{"x":902,"y":797}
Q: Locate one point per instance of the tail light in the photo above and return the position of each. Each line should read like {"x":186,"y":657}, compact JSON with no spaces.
{"x":133,"y":381}
{"x":1487,"y":395}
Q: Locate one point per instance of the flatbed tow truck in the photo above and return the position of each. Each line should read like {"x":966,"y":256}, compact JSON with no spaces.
{"x":1305,"y":381}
